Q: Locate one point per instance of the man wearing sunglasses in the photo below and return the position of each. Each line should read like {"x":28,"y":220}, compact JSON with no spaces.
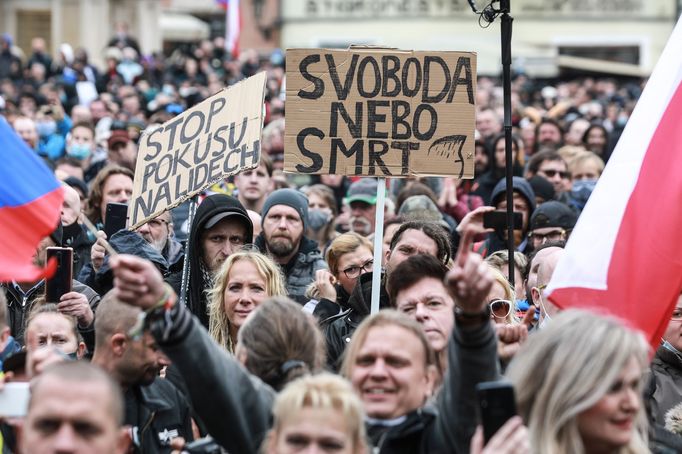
{"x":552,"y":167}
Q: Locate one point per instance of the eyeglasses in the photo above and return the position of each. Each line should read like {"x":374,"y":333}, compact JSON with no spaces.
{"x":552,"y":173}
{"x":354,"y":271}
{"x":555,"y":235}
{"x":500,"y":308}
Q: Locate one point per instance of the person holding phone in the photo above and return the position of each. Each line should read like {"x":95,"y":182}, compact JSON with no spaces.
{"x":523,"y":200}
{"x":80,"y":302}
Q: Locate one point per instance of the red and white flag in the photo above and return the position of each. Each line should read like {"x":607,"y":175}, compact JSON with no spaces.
{"x":234,"y":25}
{"x":624,"y":256}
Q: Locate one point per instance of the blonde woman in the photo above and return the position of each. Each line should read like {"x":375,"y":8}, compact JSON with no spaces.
{"x":319,"y":413}
{"x":244,"y":281}
{"x":500,"y":260}
{"x":501,"y":299}
{"x":578,"y":386}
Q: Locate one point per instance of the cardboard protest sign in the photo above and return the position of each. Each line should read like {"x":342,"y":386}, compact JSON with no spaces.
{"x":215,"y":139}
{"x":377,"y":112}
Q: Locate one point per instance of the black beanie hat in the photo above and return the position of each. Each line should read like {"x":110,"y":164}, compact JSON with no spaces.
{"x":289,"y":197}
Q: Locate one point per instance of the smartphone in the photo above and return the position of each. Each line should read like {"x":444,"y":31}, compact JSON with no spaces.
{"x":497,"y":405}
{"x":497,"y":220}
{"x":60,"y":282}
{"x":115,"y":218}
{"x":14,"y":400}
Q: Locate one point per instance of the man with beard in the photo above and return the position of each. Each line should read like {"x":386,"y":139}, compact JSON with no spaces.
{"x":154,"y":409}
{"x":285,"y":218}
{"x":362,"y":200}
{"x":159,"y":233}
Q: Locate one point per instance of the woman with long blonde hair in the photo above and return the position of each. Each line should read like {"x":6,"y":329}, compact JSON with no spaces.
{"x":244,"y":281}
{"x":578,"y":386}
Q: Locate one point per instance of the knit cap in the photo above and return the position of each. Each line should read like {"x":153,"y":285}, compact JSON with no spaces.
{"x":289,"y":197}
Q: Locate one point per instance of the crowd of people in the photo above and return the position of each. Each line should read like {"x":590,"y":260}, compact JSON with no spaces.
{"x":247,"y":327}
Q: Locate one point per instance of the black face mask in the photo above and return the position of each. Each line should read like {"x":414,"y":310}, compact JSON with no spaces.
{"x":71,"y":231}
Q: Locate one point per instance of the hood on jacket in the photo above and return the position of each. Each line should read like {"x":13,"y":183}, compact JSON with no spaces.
{"x":127,"y":242}
{"x":520,"y":186}
{"x":213,"y":205}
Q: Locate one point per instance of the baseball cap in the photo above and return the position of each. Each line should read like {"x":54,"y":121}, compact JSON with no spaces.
{"x":553,"y":214}
{"x":216,"y":218}
{"x":118,"y":136}
{"x":363,"y":190}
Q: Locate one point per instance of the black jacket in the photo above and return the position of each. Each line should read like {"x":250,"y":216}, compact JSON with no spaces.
{"x":235,"y":406}
{"x":339,"y":329}
{"x":157,"y":413}
{"x":123,"y":242}
{"x":664,"y":384}
{"x":300,"y":271}
{"x":76,"y":237}
{"x":18,"y":308}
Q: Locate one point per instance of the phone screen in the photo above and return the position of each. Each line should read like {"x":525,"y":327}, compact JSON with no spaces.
{"x":115,"y":219}
{"x":60,"y":282}
{"x":14,"y":400}
{"x":497,"y":405}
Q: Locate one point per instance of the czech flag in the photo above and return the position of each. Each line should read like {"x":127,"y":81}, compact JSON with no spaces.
{"x":30,"y":206}
{"x":624,"y":256}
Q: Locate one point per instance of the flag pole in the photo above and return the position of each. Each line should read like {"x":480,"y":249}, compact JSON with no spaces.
{"x":378,"y":244}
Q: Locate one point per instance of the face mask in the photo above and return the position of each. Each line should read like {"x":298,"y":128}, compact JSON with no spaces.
{"x":317,"y":219}
{"x":79,"y":151}
{"x":546,"y":319}
{"x":46,"y":128}
{"x":582,"y":189}
{"x":71,"y":231}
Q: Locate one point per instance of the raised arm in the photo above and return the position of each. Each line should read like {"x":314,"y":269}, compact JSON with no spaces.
{"x":234,"y":405}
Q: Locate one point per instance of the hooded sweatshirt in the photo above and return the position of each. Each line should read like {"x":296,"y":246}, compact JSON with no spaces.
{"x":494,"y":243}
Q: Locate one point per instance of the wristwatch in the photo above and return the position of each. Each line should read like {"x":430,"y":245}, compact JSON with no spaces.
{"x":463,"y":318}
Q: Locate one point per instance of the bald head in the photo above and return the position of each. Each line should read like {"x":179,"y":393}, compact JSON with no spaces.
{"x":75,"y":407}
{"x":75,"y":372}
{"x":26,"y":128}
{"x":113,"y":316}
{"x":547,"y":265}
{"x":71,"y":207}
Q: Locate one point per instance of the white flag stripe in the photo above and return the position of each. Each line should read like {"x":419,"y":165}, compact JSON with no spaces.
{"x":589,"y":249}
{"x":233,"y":26}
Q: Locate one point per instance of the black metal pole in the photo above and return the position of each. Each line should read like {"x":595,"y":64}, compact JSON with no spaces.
{"x":506,"y":34}
{"x":194,"y":201}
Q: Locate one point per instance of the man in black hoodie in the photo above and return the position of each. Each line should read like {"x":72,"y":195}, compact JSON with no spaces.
{"x":285,"y":218}
{"x":524,"y":203}
{"x":220,"y":227}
